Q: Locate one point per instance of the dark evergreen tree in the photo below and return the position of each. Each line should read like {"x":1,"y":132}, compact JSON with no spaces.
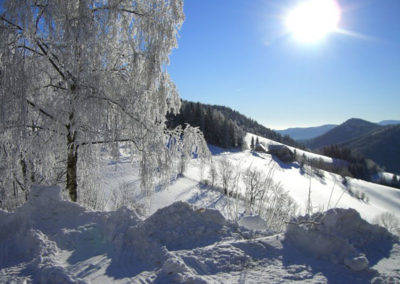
{"x":395,"y":181}
{"x":222,"y":126}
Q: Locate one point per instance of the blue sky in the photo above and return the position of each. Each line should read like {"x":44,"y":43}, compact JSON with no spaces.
{"x":237,"y":53}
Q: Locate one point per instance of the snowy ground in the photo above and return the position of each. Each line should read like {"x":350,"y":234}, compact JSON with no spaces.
{"x":48,"y":240}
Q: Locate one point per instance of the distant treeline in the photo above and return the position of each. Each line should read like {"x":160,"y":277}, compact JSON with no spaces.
{"x":223,"y":126}
{"x":359,"y":166}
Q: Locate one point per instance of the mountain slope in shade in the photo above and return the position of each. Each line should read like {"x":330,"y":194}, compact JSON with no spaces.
{"x":381,"y":145}
{"x":303,"y":133}
{"x":346,"y":131}
{"x":389,"y":122}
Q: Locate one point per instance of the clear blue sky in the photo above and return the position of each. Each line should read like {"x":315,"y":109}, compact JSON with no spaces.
{"x":236,"y":53}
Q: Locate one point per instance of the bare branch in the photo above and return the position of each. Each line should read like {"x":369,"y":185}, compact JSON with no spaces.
{"x":112,"y":141}
{"x":55,"y":86}
{"x":42,"y":7}
{"x":30,"y":49}
{"x":122,"y":108}
{"x":122,"y":9}
{"x":45,"y":113}
{"x":11,"y":23}
{"x":42,"y":46}
{"x":52,"y":62}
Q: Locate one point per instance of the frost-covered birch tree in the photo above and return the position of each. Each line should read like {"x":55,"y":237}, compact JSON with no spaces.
{"x":78,"y":74}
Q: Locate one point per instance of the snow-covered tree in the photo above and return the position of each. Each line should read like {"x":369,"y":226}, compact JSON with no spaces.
{"x":226,"y":173}
{"x":254,"y":185}
{"x":81,"y":74}
{"x":192,"y":146}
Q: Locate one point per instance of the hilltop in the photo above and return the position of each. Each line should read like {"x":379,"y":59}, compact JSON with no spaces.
{"x":346,"y":131}
{"x":381,"y":145}
{"x":223,"y":126}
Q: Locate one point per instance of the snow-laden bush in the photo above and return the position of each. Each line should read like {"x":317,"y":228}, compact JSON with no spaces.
{"x":389,"y":221}
{"x":266,"y":198}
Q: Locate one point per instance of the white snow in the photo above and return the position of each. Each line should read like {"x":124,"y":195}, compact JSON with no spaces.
{"x":253,"y":223}
{"x":188,"y":233}
{"x":267,"y":142}
{"x":49,"y":240}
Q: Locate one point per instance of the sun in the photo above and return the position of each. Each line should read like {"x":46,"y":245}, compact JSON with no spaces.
{"x":311,"y":20}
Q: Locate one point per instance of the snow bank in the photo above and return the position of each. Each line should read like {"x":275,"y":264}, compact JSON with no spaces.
{"x":45,"y":229}
{"x":338,"y":235}
{"x":181,"y":226}
{"x":253,"y":223}
{"x":39,"y":230}
{"x":48,"y":240}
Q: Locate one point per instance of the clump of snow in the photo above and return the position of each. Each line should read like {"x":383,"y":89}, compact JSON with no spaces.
{"x":253,"y":223}
{"x":357,"y":263}
{"x":182,"y":226}
{"x":338,"y":235}
{"x":176,"y":270}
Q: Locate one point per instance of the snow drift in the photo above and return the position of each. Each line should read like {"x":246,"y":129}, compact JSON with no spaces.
{"x":40,"y":230}
{"x":338,"y":235}
{"x":48,"y":240}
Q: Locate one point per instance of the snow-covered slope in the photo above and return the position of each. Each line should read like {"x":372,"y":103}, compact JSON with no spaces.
{"x":48,"y":240}
{"x":328,"y":190}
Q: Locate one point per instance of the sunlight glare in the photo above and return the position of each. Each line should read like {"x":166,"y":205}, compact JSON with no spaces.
{"x":312,"y":20}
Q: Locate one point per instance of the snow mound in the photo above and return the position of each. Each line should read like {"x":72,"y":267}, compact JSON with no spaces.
{"x":38,"y":231}
{"x":176,"y":227}
{"x":48,"y":240}
{"x":253,"y":223}
{"x":337,"y":235}
{"x":181,"y":226}
{"x":51,"y":237}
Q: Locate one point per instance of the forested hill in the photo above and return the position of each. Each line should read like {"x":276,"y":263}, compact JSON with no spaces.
{"x":381,"y":145}
{"x":223,"y":126}
{"x":344,"y":132}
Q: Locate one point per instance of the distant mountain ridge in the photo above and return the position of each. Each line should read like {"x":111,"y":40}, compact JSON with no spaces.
{"x":389,"y":122}
{"x":381,"y":145}
{"x":346,"y":131}
{"x":304,"y":133}
{"x":307,"y":133}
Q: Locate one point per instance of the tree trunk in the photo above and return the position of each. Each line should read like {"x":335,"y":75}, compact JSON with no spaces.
{"x":72,"y":167}
{"x":72,"y":162}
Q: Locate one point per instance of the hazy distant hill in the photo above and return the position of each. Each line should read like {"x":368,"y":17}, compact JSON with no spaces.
{"x":381,"y":145}
{"x":350,"y":129}
{"x":389,"y":122}
{"x":303,"y":133}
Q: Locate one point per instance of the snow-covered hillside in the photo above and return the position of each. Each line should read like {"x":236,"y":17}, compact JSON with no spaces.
{"x":49,"y":240}
{"x":327,"y":189}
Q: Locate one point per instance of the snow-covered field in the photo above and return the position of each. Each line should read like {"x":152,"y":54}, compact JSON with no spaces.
{"x":49,"y":240}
